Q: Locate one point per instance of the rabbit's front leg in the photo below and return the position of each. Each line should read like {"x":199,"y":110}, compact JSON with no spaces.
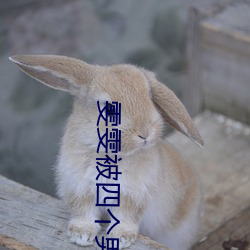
{"x":129,"y":214}
{"x":82,"y":228}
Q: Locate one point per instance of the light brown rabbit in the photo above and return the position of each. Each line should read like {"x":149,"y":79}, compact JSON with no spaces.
{"x":159,"y":195}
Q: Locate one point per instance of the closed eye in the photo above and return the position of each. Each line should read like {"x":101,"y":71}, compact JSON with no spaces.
{"x":110,"y":109}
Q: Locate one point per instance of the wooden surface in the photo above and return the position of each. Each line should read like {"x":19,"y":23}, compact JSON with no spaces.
{"x":218,"y":55}
{"x":235,"y":230}
{"x":225,"y":42}
{"x":193,"y":94}
{"x":233,"y":21}
{"x":32,"y":220}
{"x":224,"y":169}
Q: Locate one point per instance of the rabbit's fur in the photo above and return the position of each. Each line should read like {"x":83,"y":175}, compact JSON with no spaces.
{"x":160,"y":196}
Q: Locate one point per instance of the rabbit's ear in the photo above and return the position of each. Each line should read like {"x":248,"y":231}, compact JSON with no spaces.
{"x":172,"y":110}
{"x":58,"y":72}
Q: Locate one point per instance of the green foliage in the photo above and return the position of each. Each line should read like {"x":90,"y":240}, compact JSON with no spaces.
{"x":168,"y":33}
{"x":176,"y":64}
{"x":102,"y":4}
{"x":29,"y":95}
{"x":4,"y":44}
{"x":61,"y":110}
{"x":168,"y":30}
{"x":147,"y":58}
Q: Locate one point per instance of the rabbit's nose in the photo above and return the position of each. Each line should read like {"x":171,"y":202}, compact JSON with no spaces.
{"x":143,"y":138}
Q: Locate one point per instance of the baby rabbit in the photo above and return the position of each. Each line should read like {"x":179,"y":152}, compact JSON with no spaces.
{"x":159,"y":194}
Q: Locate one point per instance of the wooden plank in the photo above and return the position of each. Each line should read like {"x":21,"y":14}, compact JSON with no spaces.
{"x":220,"y":59}
{"x":9,"y":243}
{"x":193,"y":96}
{"x":234,"y":233}
{"x":233,"y":21}
{"x":223,"y":166}
{"x":31,"y":220}
{"x":225,"y":42}
{"x":39,"y":221}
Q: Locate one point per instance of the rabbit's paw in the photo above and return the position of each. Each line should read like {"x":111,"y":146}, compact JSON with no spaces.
{"x":126,"y":237}
{"x":82,"y":233}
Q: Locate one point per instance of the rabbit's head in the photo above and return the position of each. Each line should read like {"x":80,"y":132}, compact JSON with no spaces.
{"x":146,"y":104}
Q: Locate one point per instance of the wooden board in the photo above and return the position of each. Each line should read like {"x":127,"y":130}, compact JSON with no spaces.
{"x":193,"y":96}
{"x":31,"y":220}
{"x":234,"y":233}
{"x":218,"y":55}
{"x":223,"y":166}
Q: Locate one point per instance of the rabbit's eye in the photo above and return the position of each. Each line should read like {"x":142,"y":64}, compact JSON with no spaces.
{"x":110,"y":109}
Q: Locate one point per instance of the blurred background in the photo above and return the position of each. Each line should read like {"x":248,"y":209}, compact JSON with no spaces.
{"x":148,"y":33}
{"x":97,"y":31}
{"x":199,"y":48}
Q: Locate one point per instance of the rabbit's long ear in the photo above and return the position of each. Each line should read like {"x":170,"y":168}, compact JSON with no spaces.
{"x":58,"y":72}
{"x":172,"y":110}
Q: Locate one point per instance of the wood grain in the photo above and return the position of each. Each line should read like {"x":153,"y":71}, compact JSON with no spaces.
{"x":218,"y":55}
{"x":193,"y":95}
{"x":236,"y":229}
{"x":37,"y":220}
{"x":32,"y":220}
{"x":223,"y":166}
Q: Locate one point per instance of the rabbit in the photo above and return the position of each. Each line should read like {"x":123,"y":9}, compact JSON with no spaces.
{"x":159,"y":193}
